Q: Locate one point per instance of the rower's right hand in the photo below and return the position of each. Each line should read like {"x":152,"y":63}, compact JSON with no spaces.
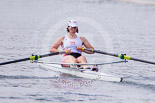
{"x":67,"y":51}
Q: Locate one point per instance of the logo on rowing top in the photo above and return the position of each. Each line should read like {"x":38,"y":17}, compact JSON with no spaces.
{"x":72,"y":42}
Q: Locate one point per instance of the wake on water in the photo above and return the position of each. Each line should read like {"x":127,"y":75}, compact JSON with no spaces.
{"x":126,"y":81}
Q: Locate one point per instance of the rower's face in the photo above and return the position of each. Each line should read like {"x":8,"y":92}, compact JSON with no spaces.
{"x":72,"y":29}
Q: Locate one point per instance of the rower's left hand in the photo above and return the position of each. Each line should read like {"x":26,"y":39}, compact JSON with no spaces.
{"x":80,"y":48}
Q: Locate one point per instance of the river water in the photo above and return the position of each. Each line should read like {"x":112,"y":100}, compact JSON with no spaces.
{"x":118,"y":26}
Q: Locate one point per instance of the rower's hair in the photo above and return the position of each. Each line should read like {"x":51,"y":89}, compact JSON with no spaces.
{"x":76,"y":30}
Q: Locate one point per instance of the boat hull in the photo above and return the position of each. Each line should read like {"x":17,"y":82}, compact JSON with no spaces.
{"x":88,"y":74}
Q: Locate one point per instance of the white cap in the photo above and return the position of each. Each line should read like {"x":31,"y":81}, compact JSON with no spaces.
{"x":72,"y":23}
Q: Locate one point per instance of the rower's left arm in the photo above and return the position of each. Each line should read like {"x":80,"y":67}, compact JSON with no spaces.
{"x":87,"y":45}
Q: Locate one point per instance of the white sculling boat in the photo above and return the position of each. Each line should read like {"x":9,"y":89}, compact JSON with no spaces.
{"x":83,"y":73}
{"x":75,"y":71}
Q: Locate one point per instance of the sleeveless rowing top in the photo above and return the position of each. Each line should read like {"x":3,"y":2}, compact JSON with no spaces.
{"x":72,"y":44}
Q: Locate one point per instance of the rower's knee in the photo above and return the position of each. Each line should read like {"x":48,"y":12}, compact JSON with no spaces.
{"x":71,"y":59}
{"x":81,"y":59}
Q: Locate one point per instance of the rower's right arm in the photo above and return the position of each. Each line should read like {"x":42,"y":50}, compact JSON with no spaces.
{"x":56,"y":45}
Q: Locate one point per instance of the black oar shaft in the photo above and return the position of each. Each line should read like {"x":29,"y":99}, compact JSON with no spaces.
{"x":119,"y":55}
{"x":101,"y":52}
{"x":14,"y":61}
{"x":32,"y":58}
{"x":144,"y":61}
{"x":51,"y":54}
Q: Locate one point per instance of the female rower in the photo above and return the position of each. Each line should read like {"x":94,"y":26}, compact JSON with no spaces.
{"x":73,"y":44}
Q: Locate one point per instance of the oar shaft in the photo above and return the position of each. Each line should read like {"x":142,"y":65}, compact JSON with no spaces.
{"x":144,"y":61}
{"x":51,"y":54}
{"x":32,"y":58}
{"x":101,"y":52}
{"x":122,"y":56}
{"x":14,"y":61}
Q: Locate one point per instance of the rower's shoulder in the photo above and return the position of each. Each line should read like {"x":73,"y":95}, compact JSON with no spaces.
{"x":61,"y":37}
{"x":82,"y":38}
